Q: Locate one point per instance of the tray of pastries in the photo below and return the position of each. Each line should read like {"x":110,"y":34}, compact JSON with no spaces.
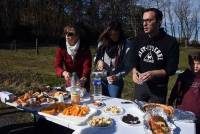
{"x":157,"y":122}
{"x":32,"y":99}
{"x":35,"y":98}
{"x":158,"y":125}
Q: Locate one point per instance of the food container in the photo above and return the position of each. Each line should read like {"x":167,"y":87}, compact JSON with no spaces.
{"x":184,"y":116}
{"x":7,"y":97}
{"x":158,"y":112}
{"x":61,"y":98}
{"x":82,"y":90}
{"x":32,"y":101}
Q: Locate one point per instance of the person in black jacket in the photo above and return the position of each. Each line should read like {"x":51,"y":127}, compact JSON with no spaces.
{"x":154,"y":59}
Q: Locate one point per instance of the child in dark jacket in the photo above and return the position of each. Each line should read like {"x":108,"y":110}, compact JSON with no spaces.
{"x":185,"y":94}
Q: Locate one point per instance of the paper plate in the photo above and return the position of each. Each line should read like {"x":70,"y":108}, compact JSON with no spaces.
{"x":127,"y":124}
{"x":106,"y":126}
{"x":114,"y":110}
{"x":76,"y":120}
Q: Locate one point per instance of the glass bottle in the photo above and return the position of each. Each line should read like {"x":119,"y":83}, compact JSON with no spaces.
{"x":75,"y":93}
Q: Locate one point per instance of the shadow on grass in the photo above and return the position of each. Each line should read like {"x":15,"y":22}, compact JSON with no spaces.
{"x":13,"y":112}
{"x":23,"y":128}
{"x":7,"y":108}
{"x":41,"y":127}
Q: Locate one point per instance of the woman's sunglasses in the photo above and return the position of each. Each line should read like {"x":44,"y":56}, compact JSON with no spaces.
{"x":70,"y":34}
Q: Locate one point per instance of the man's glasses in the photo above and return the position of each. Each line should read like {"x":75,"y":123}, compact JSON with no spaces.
{"x":70,"y":34}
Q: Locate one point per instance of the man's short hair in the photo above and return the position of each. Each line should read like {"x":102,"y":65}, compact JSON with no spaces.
{"x":193,"y":56}
{"x":158,"y":13}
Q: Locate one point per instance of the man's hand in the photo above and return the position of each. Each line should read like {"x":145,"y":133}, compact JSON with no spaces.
{"x":66,"y":75}
{"x":151,"y":74}
{"x":146,"y":76}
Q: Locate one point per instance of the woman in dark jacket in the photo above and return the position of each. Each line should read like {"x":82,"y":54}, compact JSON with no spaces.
{"x":73,"y":55}
{"x":111,"y":51}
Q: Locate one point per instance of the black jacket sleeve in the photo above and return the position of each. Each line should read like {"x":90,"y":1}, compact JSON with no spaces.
{"x":126,"y":63}
{"x":172,"y":58}
{"x":134,"y":54}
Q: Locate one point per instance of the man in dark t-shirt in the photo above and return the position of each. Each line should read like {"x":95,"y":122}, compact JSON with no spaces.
{"x":155,"y":57}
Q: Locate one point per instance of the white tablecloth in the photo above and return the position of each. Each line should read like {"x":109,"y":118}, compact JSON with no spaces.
{"x":118,"y":127}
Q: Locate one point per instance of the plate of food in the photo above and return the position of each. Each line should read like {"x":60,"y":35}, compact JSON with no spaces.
{"x":169,"y":110}
{"x":113,"y":110}
{"x":55,"y":108}
{"x":100,"y":122}
{"x":69,"y":113}
{"x":131,"y":120}
{"x":98,"y":104}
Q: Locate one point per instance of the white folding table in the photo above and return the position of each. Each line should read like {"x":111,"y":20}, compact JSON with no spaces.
{"x":118,"y":127}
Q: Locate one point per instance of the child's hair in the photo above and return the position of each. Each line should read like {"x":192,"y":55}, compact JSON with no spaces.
{"x":193,"y":56}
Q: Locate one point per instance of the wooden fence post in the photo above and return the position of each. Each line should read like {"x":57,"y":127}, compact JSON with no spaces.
{"x":36,"y":46}
{"x":15,"y":45}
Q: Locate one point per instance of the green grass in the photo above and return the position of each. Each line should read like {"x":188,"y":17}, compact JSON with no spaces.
{"x":23,"y":70}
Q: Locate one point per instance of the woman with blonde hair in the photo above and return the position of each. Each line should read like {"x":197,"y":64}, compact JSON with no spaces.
{"x":73,"y":55}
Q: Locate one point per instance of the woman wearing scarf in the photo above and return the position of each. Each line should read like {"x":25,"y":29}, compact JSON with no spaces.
{"x":73,"y":55}
{"x":111,"y":52}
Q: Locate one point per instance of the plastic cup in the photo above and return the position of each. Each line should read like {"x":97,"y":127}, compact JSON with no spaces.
{"x":61,"y":98}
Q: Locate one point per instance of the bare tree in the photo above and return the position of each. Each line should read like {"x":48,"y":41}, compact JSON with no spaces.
{"x":46,"y":18}
{"x":170,"y":17}
{"x":186,"y":20}
{"x":197,"y":27}
{"x":134,"y":20}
